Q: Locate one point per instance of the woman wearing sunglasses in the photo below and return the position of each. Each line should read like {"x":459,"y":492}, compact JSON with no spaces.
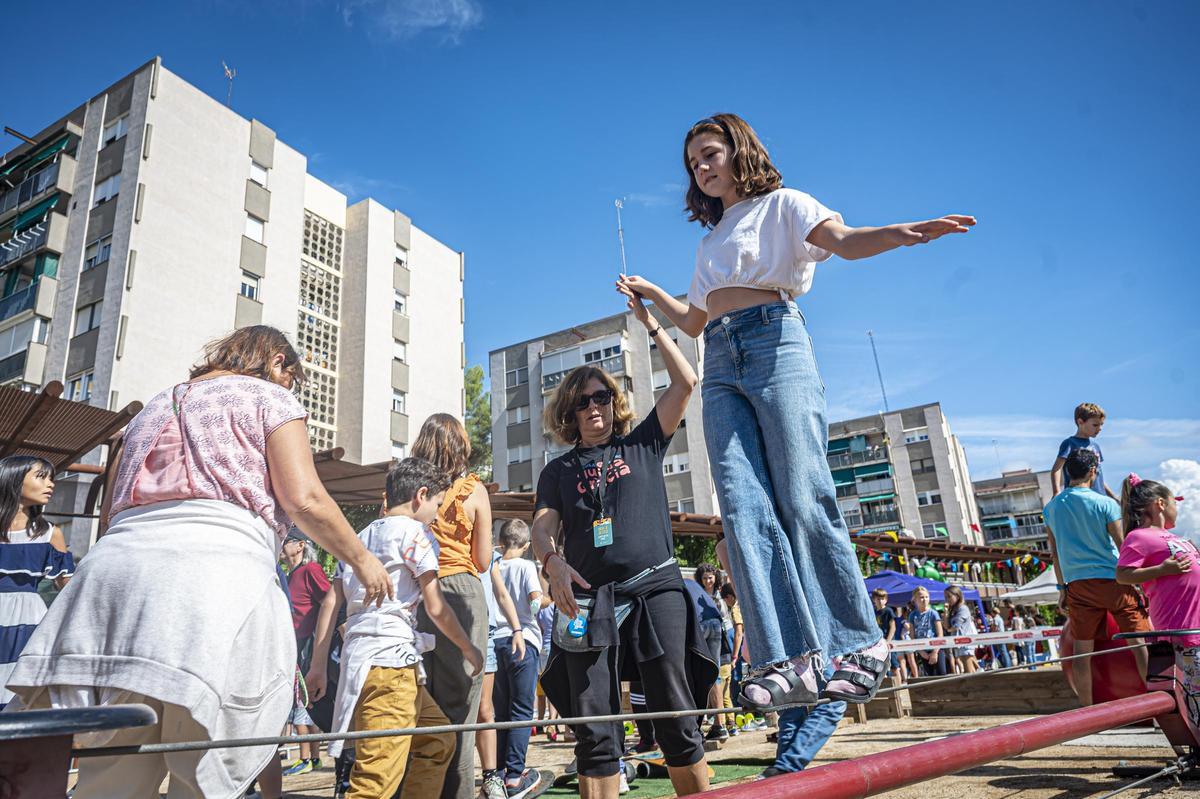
{"x":622,"y":607}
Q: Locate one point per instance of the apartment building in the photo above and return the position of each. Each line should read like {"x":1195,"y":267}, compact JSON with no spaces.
{"x":1011,"y":508}
{"x":152,"y":219}
{"x":904,"y":472}
{"x":524,"y":377}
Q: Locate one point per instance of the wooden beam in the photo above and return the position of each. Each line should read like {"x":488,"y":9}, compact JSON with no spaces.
{"x":37,"y":411}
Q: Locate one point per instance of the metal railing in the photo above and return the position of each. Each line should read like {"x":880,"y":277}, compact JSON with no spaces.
{"x":614,"y":365}
{"x":880,"y":517}
{"x":841,"y":460}
{"x":19,"y":246}
{"x":29,"y":188}
{"x":19,"y":301}
{"x":13,"y":366}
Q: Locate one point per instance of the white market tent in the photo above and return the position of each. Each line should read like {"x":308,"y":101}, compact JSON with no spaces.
{"x":1041,"y":590}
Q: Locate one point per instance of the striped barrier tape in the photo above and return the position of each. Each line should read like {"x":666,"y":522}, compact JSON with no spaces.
{"x":980,"y":639}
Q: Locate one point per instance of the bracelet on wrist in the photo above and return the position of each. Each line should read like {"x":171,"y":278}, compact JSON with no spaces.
{"x":655,"y":331}
{"x":546,"y":558}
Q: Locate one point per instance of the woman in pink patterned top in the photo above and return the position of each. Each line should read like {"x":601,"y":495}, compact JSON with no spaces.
{"x":178,"y":606}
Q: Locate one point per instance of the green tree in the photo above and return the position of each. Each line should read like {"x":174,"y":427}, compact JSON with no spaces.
{"x":479,"y":422}
{"x":692,"y":550}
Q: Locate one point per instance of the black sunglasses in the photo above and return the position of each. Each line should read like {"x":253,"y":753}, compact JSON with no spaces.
{"x":602,"y":397}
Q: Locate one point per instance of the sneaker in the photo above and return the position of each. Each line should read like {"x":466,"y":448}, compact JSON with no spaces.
{"x":531,"y":780}
{"x":316,"y":763}
{"x":734,"y":731}
{"x":769,"y":772}
{"x":493,"y":787}
{"x":717,"y":732}
{"x":298,"y":767}
{"x":624,"y":785}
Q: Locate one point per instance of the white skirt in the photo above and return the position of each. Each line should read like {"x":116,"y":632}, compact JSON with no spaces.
{"x":179,"y":602}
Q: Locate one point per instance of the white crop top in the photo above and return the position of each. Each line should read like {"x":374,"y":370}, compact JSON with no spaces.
{"x":760,"y":243}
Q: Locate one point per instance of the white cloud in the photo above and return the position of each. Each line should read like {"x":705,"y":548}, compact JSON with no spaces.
{"x":406,"y":19}
{"x":666,"y":194}
{"x":1183,"y":477}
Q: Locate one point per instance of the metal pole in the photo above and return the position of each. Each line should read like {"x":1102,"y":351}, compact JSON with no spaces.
{"x":878,"y":371}
{"x":621,"y":236}
{"x":886,"y":771}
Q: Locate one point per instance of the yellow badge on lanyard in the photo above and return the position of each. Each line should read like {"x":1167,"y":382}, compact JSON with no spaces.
{"x":602,"y":532}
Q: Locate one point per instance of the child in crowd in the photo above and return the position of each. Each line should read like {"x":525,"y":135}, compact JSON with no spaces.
{"x":733,"y":686}
{"x":925,"y":622}
{"x":500,"y":605}
{"x":886,"y":618}
{"x":995,"y":622}
{"x":1089,"y":418}
{"x":960,"y":622}
{"x":517,"y":658}
{"x":381,"y":684}
{"x":31,"y":550}
{"x":1164,"y":565}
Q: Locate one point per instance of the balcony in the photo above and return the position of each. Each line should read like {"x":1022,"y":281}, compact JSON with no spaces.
{"x":26,"y":366}
{"x":51,"y":234}
{"x":843,"y":459}
{"x":60,"y":176}
{"x":867,"y":488}
{"x":613,"y":365}
{"x":880,"y":517}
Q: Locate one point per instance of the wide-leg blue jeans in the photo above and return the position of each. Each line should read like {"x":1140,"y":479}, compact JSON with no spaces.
{"x":797,"y":577}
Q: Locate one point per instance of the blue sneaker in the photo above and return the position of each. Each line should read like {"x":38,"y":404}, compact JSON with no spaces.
{"x":298,"y":767}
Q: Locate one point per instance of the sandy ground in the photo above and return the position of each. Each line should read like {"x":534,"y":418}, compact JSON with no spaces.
{"x":1055,"y":773}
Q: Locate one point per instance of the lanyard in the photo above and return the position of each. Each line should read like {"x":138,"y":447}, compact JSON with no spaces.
{"x":597,"y":493}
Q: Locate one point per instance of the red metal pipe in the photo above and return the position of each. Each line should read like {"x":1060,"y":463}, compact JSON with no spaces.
{"x":885,"y":771}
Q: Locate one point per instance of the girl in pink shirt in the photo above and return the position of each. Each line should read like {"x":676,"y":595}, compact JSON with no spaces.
{"x":1165,"y":566}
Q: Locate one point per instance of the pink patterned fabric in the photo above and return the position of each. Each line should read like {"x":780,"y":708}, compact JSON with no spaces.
{"x":214,"y":448}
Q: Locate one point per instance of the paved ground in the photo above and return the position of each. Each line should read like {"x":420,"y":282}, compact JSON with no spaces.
{"x":1061,"y":772}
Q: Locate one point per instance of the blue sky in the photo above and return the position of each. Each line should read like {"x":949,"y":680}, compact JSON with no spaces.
{"x":507,"y":130}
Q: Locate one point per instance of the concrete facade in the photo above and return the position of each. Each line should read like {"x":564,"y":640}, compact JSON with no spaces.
{"x":1010,"y":507}
{"x":904,"y":472}
{"x":523,"y":378}
{"x":153,"y":219}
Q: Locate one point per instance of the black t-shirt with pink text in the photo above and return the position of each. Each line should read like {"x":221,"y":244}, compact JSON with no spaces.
{"x":635,"y":499}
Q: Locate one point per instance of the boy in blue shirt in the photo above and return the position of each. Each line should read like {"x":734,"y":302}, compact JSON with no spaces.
{"x":1089,"y":418}
{"x":1084,"y":531}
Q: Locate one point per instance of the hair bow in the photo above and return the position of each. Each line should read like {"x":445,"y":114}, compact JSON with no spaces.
{"x":1134,"y":479}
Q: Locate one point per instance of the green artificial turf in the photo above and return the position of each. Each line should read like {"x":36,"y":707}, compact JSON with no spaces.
{"x":654,"y":788}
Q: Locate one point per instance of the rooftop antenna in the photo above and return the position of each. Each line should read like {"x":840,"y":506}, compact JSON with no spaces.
{"x":878,"y":372}
{"x":620,"y":203}
{"x":230,"y":74}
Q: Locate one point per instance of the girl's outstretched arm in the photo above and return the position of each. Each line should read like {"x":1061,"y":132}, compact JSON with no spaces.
{"x":853,"y":243}
{"x":673,"y":403}
{"x":684,"y":316}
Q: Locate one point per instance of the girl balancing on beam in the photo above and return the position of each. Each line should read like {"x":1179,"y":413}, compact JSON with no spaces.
{"x":764,"y":412}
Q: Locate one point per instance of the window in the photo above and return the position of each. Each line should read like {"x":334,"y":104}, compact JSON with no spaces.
{"x":675,"y":464}
{"x":88,"y":317}
{"x":687,"y":505}
{"x":80,"y":389}
{"x":250,"y":285}
{"x":97,"y":252}
{"x":114,"y":130}
{"x":106,"y":190}
{"x":399,"y":401}
{"x":923,"y":465}
{"x":516,"y":377}
{"x":520,"y":454}
{"x":401,"y":256}
{"x":916,"y":434}
{"x":929,"y":498}
{"x":255,"y":228}
{"x":400,"y":351}
{"x":258,"y":173}
{"x":935,"y":530}
{"x":661,"y":379}
{"x":525,"y":489}
{"x":518,"y":414}
{"x":401,"y":305}
{"x":399,"y":451}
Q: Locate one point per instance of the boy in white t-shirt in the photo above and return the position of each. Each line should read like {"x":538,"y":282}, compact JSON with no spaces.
{"x":514,"y":693}
{"x":382,"y":686}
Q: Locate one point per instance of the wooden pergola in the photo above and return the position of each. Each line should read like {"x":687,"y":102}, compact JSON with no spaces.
{"x":44,"y":425}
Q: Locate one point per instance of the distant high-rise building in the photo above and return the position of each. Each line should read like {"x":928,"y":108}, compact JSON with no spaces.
{"x":1011,"y":508}
{"x":524,"y":376}
{"x":152,"y":219}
